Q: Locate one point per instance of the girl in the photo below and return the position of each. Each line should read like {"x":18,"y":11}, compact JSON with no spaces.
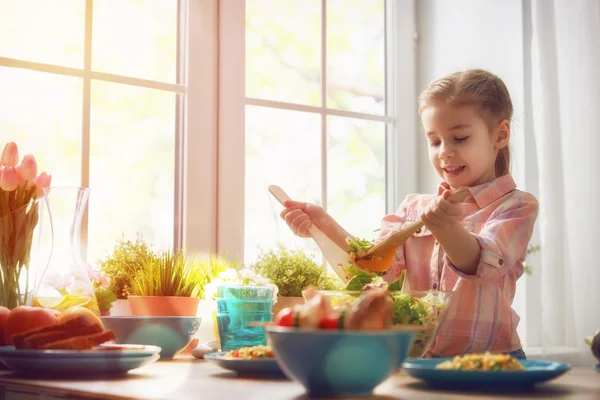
{"x":475,"y":248}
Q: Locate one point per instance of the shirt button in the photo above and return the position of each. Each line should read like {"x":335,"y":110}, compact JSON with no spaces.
{"x":434,"y":286}
{"x":418,"y":230}
{"x":500,"y":261}
{"x":436,"y":243}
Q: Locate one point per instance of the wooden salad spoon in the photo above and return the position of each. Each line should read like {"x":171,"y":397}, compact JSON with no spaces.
{"x":393,"y":240}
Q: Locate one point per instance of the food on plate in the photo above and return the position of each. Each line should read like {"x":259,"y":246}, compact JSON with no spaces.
{"x":78,"y":328}
{"x":24,"y":318}
{"x":372,"y":311}
{"x":250,"y":353}
{"x":3,"y":317}
{"x":482,"y":362}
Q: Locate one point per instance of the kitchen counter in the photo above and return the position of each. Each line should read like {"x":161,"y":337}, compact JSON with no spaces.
{"x":188,"y":378}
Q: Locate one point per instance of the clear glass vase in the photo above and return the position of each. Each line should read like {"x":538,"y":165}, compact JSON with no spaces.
{"x":21,"y":220}
{"x":65,"y":283}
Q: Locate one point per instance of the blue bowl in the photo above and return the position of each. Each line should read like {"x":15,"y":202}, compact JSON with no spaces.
{"x":339,"y":363}
{"x":171,"y":334}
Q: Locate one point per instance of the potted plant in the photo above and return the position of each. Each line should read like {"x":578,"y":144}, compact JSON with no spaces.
{"x":166,"y":284}
{"x":123,"y":262}
{"x":292,"y":271}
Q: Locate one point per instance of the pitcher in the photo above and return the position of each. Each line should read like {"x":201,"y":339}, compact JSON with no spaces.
{"x":65,"y":282}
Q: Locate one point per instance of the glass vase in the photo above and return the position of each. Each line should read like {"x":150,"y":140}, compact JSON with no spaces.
{"x":65,"y":283}
{"x":21,"y":219}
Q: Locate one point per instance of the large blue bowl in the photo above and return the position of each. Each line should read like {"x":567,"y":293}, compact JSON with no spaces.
{"x":339,"y":363}
{"x":171,"y":334}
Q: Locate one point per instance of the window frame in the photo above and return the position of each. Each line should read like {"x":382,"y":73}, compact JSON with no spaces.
{"x":401,"y":115}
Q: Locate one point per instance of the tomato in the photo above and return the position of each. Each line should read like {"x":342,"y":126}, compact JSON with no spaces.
{"x":329,"y":323}
{"x":285,"y":317}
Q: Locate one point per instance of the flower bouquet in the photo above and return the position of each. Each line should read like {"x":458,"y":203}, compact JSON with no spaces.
{"x":20,"y":191}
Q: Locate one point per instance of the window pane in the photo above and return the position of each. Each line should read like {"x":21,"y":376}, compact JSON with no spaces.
{"x":283,"y":50}
{"x":42,"y":113}
{"x":132,"y":152}
{"x":282,"y":148}
{"x":356,"y":55}
{"x":356,"y":174}
{"x":136,"y":38}
{"x":43,"y":31}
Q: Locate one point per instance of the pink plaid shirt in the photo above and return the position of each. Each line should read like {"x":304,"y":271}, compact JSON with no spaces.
{"x":479,"y":317}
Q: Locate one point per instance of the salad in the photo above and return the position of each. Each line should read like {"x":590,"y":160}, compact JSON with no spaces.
{"x":250,"y":353}
{"x":423,"y":308}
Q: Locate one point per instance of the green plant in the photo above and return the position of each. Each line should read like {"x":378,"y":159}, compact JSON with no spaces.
{"x":169,"y":273}
{"x":124,"y":263}
{"x":211,"y":268}
{"x":292,"y":271}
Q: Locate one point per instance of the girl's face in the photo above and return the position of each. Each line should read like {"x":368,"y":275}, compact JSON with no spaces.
{"x":461,"y":148}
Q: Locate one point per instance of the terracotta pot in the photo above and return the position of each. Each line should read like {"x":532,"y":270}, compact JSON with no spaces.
{"x":283,"y":302}
{"x":164,"y":306}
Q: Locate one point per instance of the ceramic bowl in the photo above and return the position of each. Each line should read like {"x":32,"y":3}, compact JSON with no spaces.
{"x":171,"y":334}
{"x":339,"y":363}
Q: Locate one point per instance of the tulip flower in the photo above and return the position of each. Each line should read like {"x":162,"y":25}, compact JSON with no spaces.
{"x":20,"y":180}
{"x":42,"y":181}
{"x":29,"y":168}
{"x":10,"y":155}
{"x":9,"y":179}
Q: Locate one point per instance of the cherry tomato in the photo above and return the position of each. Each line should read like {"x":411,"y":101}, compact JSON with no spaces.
{"x":285,"y":317}
{"x":329,"y":323}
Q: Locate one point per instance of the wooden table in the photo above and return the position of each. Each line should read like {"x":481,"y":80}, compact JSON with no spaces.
{"x":188,"y":378}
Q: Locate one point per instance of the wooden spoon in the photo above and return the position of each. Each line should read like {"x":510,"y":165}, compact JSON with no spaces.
{"x":397,"y":238}
{"x":335,"y":255}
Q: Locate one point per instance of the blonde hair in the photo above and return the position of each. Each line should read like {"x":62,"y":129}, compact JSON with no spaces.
{"x":475,"y":87}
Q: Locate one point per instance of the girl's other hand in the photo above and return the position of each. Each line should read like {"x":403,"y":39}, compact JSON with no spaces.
{"x":300,"y":216}
{"x":443,"y":213}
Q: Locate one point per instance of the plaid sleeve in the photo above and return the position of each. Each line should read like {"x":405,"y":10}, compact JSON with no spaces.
{"x":504,"y":238}
{"x":389,"y":224}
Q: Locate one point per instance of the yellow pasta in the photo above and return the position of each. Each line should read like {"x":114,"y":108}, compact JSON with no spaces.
{"x":482,"y":362}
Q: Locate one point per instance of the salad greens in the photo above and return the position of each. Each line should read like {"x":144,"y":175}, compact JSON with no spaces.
{"x":359,"y":247}
{"x":409,"y":308}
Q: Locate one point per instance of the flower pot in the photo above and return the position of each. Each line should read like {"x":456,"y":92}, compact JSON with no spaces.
{"x":283,"y":302}
{"x":164,"y":306}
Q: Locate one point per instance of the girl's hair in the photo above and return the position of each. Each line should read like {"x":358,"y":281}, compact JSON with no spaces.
{"x":475,"y":87}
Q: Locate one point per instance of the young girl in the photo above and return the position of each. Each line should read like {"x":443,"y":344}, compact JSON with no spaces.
{"x":475,"y":248}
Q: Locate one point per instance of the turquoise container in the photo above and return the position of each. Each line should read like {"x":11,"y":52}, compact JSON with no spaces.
{"x":239,"y":310}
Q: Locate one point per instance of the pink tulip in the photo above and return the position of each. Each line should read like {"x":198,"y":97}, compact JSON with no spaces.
{"x":29,"y":168}
{"x":10,"y":155}
{"x":20,"y":180}
{"x":41,"y":182}
{"x":9,"y":179}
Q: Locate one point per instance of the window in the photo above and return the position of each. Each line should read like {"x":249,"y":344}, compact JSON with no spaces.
{"x":322,"y":120}
{"x":97,"y":102}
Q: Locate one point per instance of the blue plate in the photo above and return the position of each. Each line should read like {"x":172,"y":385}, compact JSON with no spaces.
{"x":104,"y":360}
{"x":259,"y":366}
{"x":535,"y":372}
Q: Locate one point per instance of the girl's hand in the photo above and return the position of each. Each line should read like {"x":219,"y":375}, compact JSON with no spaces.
{"x":443,"y":213}
{"x":300,"y":216}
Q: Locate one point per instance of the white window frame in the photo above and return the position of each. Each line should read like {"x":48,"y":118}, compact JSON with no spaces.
{"x":401,"y":143}
{"x":196,"y":127}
